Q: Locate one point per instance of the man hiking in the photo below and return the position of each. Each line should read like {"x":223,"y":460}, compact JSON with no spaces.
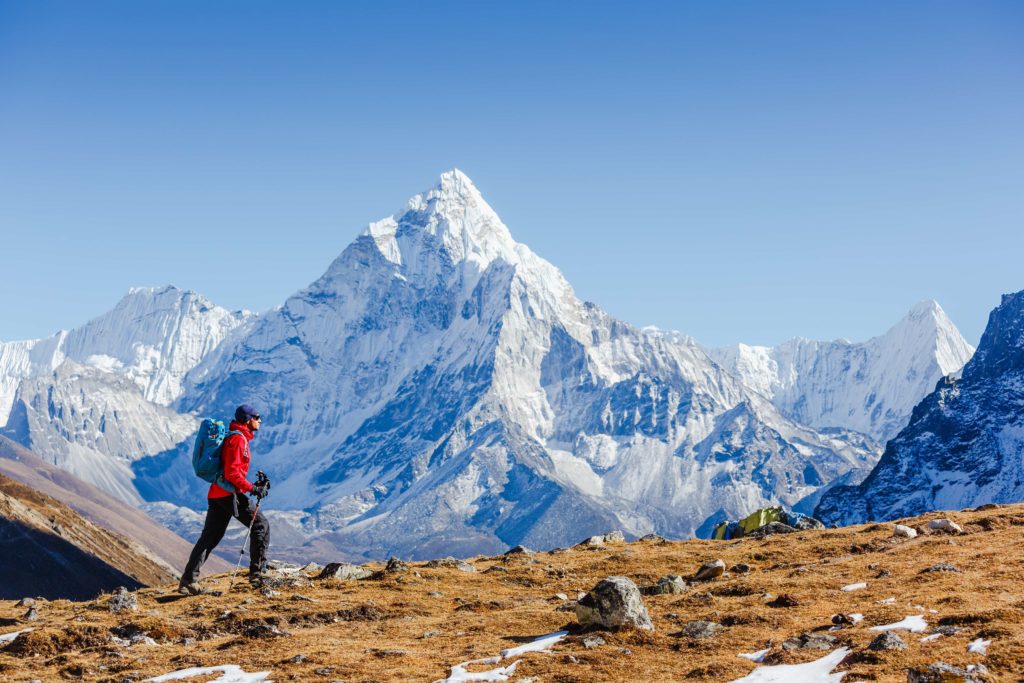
{"x":225,"y":504}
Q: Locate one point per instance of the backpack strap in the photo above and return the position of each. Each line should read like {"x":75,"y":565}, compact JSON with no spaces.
{"x":221,"y":481}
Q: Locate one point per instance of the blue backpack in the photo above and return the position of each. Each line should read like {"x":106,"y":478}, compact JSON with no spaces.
{"x":206,"y":453}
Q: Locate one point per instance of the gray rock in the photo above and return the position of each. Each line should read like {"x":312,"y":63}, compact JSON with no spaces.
{"x":901,"y":531}
{"x":771,"y":528}
{"x":741,"y":568}
{"x":614,"y":603}
{"x":810,"y":641}
{"x":808,"y":524}
{"x":521,"y":550}
{"x":941,"y":567}
{"x":568,"y":606}
{"x":561,"y":596}
{"x":298,"y":659}
{"x":590,"y":642}
{"x":946,"y":630}
{"x":344,"y":572}
{"x":701,"y":629}
{"x":451,"y":563}
{"x":26,"y":602}
{"x":652,"y":538}
{"x":710,"y":570}
{"x":494,"y":568}
{"x":940,"y":672}
{"x":435,"y":594}
{"x":430,"y":634}
{"x":395,"y":565}
{"x":887,"y":641}
{"x":615,"y":537}
{"x":945,"y":525}
{"x":31,"y":614}
{"x":670,"y":584}
{"x":122,"y":601}
{"x":593,"y":540}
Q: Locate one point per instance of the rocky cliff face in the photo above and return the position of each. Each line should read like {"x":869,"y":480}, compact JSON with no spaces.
{"x":964,"y":445}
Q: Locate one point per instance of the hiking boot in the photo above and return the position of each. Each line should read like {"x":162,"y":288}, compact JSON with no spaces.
{"x":190,"y":589}
{"x":256,"y":580}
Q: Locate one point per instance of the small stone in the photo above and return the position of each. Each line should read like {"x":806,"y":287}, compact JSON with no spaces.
{"x":670,"y":584}
{"x":625,"y":651}
{"x":395,"y":565}
{"x":344,"y":571}
{"x":710,"y":570}
{"x":701,"y":629}
{"x":561,"y":596}
{"x":900,"y":531}
{"x":302,"y":598}
{"x":26,"y":602}
{"x":593,"y":540}
{"x":810,"y":641}
{"x":559,"y":551}
{"x":740,"y":568}
{"x":31,"y":615}
{"x":652,"y":538}
{"x":614,"y":603}
{"x":298,"y":659}
{"x":946,"y":630}
{"x":122,"y":601}
{"x":435,"y":594}
{"x":451,"y":563}
{"x":430,"y":634}
{"x":568,"y":606}
{"x":784,"y":600}
{"x":887,"y":641}
{"x":941,"y":567}
{"x":521,"y":550}
{"x":940,"y":672}
{"x":494,"y":568}
{"x":590,"y":642}
{"x":945,"y":525}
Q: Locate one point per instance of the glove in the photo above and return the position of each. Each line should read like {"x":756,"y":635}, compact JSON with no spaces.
{"x":260,"y":489}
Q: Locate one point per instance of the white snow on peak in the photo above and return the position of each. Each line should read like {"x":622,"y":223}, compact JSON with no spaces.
{"x":456,"y":214}
{"x":869,"y":387}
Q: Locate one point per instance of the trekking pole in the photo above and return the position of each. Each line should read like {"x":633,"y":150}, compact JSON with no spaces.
{"x":260,"y":478}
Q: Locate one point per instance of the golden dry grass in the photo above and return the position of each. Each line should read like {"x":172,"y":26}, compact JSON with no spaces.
{"x":413,"y":626}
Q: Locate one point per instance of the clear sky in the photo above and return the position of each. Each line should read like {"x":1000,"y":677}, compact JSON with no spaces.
{"x":738,"y":171}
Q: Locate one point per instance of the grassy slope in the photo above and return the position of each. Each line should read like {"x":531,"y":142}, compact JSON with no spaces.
{"x":373,"y":629}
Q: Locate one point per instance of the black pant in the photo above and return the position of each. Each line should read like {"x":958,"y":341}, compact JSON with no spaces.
{"x":218,"y":516}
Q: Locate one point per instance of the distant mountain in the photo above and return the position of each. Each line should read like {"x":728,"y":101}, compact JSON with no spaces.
{"x":964,"y":445}
{"x":441,"y":389}
{"x":869,"y":387}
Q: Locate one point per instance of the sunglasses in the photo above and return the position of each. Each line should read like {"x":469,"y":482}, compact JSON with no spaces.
{"x":255,"y":417}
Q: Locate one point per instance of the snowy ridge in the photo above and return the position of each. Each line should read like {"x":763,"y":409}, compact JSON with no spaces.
{"x":964,"y":442}
{"x":441,"y":390}
{"x":868,"y":387}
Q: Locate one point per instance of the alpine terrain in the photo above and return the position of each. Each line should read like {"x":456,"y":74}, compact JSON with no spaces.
{"x":440,"y":389}
{"x":964,"y":445}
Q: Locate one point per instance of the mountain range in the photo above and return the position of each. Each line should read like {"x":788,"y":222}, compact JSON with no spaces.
{"x":440,"y":389}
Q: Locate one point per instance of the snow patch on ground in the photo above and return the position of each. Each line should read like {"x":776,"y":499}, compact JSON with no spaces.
{"x":853,"y":587}
{"x":915,"y":623}
{"x":9,"y":637}
{"x":755,"y":656}
{"x":979,"y":646}
{"x":459,"y":674}
{"x":230,"y":673}
{"x":818,"y":671}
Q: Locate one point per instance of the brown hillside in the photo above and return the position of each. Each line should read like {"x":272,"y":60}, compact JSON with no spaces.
{"x":414,"y":625}
{"x":163,"y":545}
{"x":49,"y":549}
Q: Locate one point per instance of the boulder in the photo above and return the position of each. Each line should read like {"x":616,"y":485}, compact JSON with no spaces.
{"x":710,"y":570}
{"x":615,"y":537}
{"x":945,"y":525}
{"x":614,"y":603}
{"x":887,"y":641}
{"x":900,"y":531}
{"x":520,"y":550}
{"x":344,"y":571}
{"x":395,"y":565}
{"x":652,"y":538}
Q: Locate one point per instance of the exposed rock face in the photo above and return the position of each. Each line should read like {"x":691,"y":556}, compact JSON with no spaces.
{"x":962,"y":447}
{"x":887,"y":641}
{"x":614,"y":603}
{"x":710,"y":570}
{"x":344,"y":572}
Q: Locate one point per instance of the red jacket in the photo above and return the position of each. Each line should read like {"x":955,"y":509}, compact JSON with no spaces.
{"x":234,"y":455}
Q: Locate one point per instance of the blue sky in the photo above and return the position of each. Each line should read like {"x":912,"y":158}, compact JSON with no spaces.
{"x":738,"y":171}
